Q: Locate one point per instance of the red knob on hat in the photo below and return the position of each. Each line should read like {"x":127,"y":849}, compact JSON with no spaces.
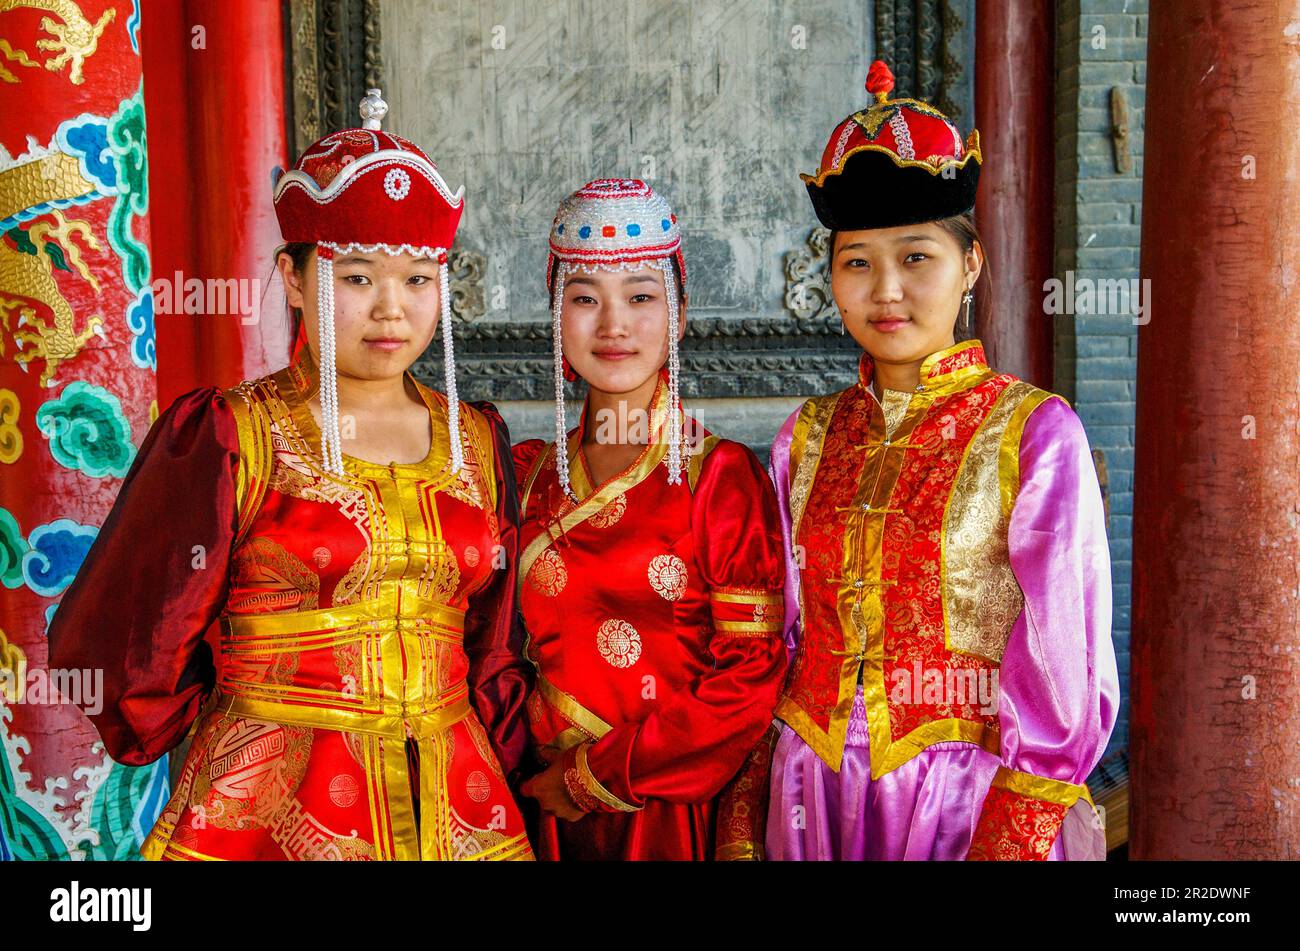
{"x":880,"y":81}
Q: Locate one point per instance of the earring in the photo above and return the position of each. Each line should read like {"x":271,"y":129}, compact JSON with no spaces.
{"x":966,"y":299}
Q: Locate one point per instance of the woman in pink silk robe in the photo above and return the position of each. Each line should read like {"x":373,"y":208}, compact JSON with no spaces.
{"x":948,"y":595}
{"x":1011,"y":790}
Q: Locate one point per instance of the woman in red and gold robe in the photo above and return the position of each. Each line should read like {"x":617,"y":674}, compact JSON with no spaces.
{"x":365,"y":696}
{"x":651,"y":572}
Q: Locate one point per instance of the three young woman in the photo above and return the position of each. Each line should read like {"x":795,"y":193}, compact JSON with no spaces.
{"x":943,"y":589}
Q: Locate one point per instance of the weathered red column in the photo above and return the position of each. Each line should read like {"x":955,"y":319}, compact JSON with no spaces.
{"x":1014,"y":111}
{"x":1215,"y":730}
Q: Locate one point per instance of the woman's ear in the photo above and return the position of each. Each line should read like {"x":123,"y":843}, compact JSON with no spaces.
{"x":681,"y":317}
{"x":974,"y":264}
{"x":292,"y":280}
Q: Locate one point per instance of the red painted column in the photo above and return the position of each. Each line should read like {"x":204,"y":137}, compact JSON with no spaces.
{"x":1014,"y":111}
{"x":77,"y":386}
{"x":214,"y":76}
{"x":1215,"y":721}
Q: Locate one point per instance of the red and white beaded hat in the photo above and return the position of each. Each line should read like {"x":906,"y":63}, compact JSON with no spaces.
{"x":369,"y":190}
{"x":896,"y":162}
{"x":614,"y":224}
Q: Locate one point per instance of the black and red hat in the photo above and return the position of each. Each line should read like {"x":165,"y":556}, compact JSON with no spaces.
{"x":896,"y":162}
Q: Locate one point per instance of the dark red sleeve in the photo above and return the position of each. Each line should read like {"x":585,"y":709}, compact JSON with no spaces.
{"x":525,"y":454}
{"x":695,"y":741}
{"x":154,"y":581}
{"x":500,"y":677}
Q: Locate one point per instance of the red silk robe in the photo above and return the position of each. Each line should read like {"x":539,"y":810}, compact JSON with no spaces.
{"x":654,"y":617}
{"x":368,"y":686}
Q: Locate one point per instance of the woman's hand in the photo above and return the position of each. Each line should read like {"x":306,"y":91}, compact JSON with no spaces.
{"x":549,"y":791}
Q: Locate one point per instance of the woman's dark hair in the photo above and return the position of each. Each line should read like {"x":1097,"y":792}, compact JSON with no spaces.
{"x":677,"y":276}
{"x":299,"y":251}
{"x":963,"y":230}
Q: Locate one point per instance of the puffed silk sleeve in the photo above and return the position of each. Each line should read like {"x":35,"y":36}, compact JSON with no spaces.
{"x":154,"y":581}
{"x":1058,"y":684}
{"x":500,"y":678}
{"x":697,"y":739}
{"x":779,"y":469}
{"x":525,"y":454}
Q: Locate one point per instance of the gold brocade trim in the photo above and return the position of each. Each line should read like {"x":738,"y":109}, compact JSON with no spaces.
{"x":170,"y":851}
{"x":739,"y":852}
{"x":861,"y":609}
{"x":1040,"y":787}
{"x":831,"y":752}
{"x":571,"y":709}
{"x":805,"y":454}
{"x":755,"y":628}
{"x":389,"y":725}
{"x":253,"y":430}
{"x":894,"y":407}
{"x":960,"y":379}
{"x":742,"y":596}
{"x":1009,"y":449}
{"x":595,"y":500}
{"x":594,"y":786}
{"x":972,"y":152}
{"x":394,"y":607}
{"x":981,"y":598}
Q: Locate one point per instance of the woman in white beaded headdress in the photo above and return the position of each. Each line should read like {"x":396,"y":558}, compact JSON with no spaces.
{"x":651,"y":553}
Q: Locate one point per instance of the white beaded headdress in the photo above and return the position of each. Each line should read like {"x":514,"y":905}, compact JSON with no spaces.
{"x":369,"y":190}
{"x":614,"y":224}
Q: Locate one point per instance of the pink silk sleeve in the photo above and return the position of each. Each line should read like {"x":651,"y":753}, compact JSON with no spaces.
{"x":143,"y":599}
{"x":1058,"y":683}
{"x":778,"y":468}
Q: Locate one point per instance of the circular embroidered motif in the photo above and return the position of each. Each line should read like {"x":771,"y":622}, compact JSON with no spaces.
{"x":397,"y":184}
{"x":548,"y":576}
{"x":471,"y":556}
{"x":619,"y":643}
{"x":321,"y":556}
{"x":667,"y":576}
{"x":343,"y":790}
{"x":478,"y":786}
{"x":611,"y":513}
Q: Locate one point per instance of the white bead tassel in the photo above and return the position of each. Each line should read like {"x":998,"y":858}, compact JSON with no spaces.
{"x":331,"y":442}
{"x":674,"y":422}
{"x":557,"y":349}
{"x":449,"y":367}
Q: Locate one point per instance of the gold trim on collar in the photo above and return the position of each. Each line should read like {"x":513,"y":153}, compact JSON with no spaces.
{"x":646,"y":463}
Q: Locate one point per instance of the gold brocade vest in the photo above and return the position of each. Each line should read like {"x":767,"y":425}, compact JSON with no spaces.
{"x":341,"y":657}
{"x":899,"y":518}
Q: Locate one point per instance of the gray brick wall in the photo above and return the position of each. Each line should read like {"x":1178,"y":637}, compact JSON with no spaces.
{"x":1098,"y":232}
